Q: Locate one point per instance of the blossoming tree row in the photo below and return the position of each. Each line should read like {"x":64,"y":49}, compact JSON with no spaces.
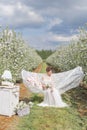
{"x":15,"y":54}
{"x":72,"y":55}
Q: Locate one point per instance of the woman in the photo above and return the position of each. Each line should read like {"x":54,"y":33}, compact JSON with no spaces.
{"x":51,"y":94}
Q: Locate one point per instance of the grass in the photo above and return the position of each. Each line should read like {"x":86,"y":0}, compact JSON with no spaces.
{"x":55,"y":118}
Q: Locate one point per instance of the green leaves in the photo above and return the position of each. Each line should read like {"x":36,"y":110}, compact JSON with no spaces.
{"x":72,"y":55}
{"x":15,"y":54}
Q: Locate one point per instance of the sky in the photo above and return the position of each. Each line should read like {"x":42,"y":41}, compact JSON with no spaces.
{"x":44,"y":24}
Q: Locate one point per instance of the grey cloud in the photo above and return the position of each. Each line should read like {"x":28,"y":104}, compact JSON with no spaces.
{"x":71,"y":12}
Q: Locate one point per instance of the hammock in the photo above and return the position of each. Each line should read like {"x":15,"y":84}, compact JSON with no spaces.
{"x":63,"y":81}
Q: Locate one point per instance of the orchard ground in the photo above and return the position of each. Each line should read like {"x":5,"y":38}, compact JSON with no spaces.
{"x":71,"y":118}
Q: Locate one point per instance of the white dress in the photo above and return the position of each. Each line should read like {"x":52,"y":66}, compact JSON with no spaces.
{"x":52,"y":97}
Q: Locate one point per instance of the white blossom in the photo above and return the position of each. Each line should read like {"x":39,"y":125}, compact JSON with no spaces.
{"x":15,"y":54}
{"x":72,"y":55}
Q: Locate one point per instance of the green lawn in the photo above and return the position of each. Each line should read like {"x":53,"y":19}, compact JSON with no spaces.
{"x":55,"y":118}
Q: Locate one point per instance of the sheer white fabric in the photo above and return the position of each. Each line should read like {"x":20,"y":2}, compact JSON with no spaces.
{"x":59,"y":82}
{"x":52,"y":97}
{"x":63,"y":81}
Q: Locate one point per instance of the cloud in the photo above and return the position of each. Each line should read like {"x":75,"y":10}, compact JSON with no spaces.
{"x":55,"y":21}
{"x":20,"y":15}
{"x":49,"y":40}
{"x":51,"y":37}
{"x":63,"y":38}
{"x":44,"y":23}
{"x":6,"y":10}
